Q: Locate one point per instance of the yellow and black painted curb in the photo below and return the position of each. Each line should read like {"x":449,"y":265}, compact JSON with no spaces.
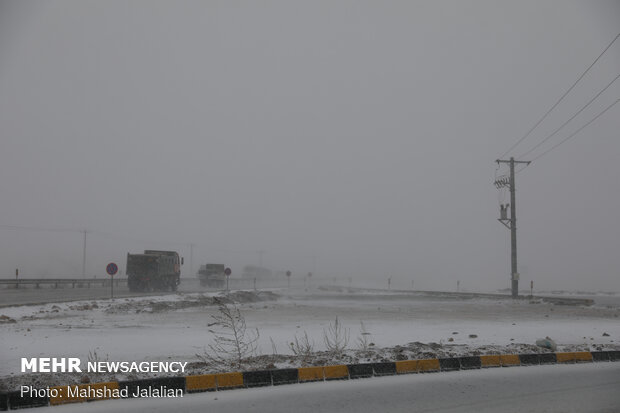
{"x":223,"y":381}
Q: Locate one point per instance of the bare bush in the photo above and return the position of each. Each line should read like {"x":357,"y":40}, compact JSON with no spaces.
{"x":302,"y":347}
{"x":336,"y":338}
{"x":363,"y":341}
{"x":274,"y":349}
{"x":94,"y":357}
{"x":232,"y":341}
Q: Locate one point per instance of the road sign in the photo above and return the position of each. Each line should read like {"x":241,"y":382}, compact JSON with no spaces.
{"x":112,"y":268}
{"x":288,"y":273}
{"x":228,"y":271}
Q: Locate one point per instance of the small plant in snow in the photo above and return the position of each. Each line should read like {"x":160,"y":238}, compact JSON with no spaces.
{"x":274,"y":349}
{"x":232,"y":340}
{"x":336,"y":338}
{"x":363,"y":341}
{"x":302,"y":346}
{"x":93,"y":357}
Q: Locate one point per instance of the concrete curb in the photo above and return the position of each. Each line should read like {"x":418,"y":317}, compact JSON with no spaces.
{"x":225,"y":381}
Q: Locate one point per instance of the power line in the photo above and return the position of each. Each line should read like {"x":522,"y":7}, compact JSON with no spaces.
{"x":38,"y":229}
{"x":98,"y":232}
{"x":522,"y":168}
{"x":577,"y":131}
{"x":140,"y":240}
{"x":571,"y":118}
{"x":560,"y":99}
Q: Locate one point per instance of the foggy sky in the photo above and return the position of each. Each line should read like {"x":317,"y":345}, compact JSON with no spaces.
{"x":350,"y":138}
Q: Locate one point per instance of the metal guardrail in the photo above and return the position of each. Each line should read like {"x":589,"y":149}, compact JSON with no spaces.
{"x":79,"y":282}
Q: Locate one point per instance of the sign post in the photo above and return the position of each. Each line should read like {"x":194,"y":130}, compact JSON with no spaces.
{"x":288,"y":279}
{"x":112,"y":269}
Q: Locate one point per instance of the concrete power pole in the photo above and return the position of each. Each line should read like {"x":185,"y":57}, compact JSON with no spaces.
{"x":512,"y":222}
{"x":191,"y":258}
{"x":84,"y":255}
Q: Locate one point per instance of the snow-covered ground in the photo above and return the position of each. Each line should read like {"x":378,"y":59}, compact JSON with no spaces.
{"x":403,"y":324}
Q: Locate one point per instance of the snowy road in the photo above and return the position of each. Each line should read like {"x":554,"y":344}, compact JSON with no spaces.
{"x":29,"y":295}
{"x":559,"y":388}
{"x":46,"y":294}
{"x":23,"y":296}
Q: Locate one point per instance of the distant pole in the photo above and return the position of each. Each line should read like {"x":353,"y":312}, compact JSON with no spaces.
{"x":84,"y":256}
{"x":458,"y":285}
{"x":191,"y":259}
{"x":514,"y":276}
{"x":389,"y":282}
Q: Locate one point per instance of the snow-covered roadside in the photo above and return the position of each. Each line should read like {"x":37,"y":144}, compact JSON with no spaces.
{"x":400,"y":326}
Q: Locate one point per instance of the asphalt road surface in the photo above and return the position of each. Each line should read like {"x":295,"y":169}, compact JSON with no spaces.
{"x":579,"y":388}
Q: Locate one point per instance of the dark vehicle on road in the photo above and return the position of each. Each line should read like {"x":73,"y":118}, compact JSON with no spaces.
{"x":212,"y":275}
{"x":154,"y":271}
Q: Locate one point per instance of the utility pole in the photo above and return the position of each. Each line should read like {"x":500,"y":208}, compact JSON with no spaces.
{"x":84,"y":256}
{"x":191,"y":259}
{"x":511,"y":223}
